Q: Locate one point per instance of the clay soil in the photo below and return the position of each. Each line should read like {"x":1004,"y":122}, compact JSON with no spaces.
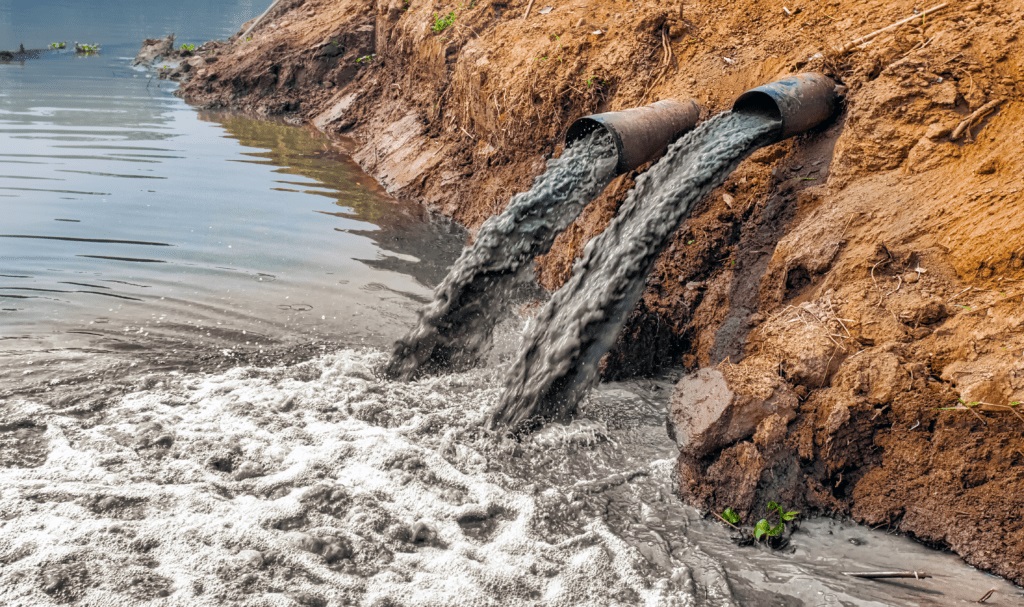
{"x":851,"y":302}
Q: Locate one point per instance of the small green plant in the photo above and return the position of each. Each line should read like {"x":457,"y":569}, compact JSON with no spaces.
{"x":765,"y":529}
{"x":188,"y":47}
{"x":442,"y":22}
{"x":87,"y":49}
{"x":729,"y":515}
{"x":976,"y":405}
{"x":593,"y":82}
{"x":56,"y":46}
{"x":366,"y":59}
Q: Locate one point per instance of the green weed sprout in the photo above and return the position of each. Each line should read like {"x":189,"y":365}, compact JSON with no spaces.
{"x":442,"y":22}
{"x":729,"y":515}
{"x":764,"y":528}
{"x":188,"y":48}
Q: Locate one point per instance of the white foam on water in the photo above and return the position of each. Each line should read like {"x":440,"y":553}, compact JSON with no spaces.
{"x":320,"y":484}
{"x":316,"y":484}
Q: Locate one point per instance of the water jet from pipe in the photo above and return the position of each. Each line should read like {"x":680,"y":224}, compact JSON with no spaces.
{"x":558,"y":362}
{"x":457,"y":324}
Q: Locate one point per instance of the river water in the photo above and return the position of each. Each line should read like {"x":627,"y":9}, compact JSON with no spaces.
{"x":131,"y":221}
{"x":193,"y":310}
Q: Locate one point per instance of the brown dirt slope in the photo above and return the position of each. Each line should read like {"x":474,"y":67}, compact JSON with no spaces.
{"x":854,"y":298}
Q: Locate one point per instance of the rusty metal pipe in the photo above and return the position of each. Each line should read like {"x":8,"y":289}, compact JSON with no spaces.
{"x":642,"y":133}
{"x":801,"y":102}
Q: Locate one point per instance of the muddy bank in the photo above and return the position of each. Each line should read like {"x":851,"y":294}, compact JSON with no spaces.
{"x":851,"y":301}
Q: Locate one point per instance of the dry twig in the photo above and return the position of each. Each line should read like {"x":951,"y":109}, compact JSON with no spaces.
{"x":259,"y":20}
{"x":529,"y":7}
{"x":976,"y":116}
{"x":859,"y":42}
{"x":725,"y":521}
{"x":886,"y":575}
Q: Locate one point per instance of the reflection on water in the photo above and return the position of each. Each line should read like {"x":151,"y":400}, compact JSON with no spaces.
{"x":415,"y":243}
{"x":220,"y":230}
{"x":130,"y":224}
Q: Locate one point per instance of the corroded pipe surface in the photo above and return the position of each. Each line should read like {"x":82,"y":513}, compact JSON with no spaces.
{"x":642,"y":133}
{"x":802,"y":102}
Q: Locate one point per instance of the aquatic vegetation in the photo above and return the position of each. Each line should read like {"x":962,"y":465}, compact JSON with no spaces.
{"x":87,"y":49}
{"x":765,"y":529}
{"x":56,"y":46}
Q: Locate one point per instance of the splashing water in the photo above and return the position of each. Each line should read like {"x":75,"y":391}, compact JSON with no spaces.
{"x":316,"y":484}
{"x":557,"y":364}
{"x":458,"y":323}
{"x":319,"y":484}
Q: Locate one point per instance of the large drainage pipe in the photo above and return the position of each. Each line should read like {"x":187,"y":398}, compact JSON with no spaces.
{"x":640,"y":134}
{"x":801,"y":102}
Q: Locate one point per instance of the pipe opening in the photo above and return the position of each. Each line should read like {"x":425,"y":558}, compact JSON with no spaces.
{"x":758,"y":103}
{"x":580,"y":129}
{"x":800,"y":102}
{"x":587,"y":125}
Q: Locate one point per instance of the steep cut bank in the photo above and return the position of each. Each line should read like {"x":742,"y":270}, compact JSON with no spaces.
{"x":851,"y":303}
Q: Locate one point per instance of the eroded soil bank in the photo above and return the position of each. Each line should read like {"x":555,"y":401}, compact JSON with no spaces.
{"x":851,"y":302}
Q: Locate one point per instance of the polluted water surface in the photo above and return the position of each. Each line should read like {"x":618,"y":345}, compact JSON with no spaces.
{"x":320,"y":484}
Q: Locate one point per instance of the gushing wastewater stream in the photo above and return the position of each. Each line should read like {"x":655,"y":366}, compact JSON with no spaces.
{"x":558,"y":361}
{"x":457,"y":324}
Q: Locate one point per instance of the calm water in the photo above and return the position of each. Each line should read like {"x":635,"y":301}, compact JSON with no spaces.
{"x":130,"y":220}
{"x":133,"y":228}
